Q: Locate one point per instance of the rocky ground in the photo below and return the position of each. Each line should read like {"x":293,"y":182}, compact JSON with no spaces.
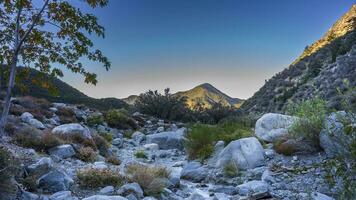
{"x":259,"y":173}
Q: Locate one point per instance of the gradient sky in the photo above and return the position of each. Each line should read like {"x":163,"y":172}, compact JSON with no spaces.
{"x":233,"y":44}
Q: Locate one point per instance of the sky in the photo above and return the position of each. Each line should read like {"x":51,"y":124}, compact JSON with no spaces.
{"x":234,"y":45}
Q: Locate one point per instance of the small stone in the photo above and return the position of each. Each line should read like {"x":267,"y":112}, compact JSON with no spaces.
{"x":62,"y":151}
{"x":107,"y":190}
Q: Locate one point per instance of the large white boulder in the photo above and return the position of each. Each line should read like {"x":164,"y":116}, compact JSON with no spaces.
{"x":72,"y":129}
{"x":245,"y":153}
{"x":272,"y":126}
{"x":168,"y":140}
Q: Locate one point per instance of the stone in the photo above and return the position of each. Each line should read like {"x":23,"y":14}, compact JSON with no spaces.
{"x":104,"y":197}
{"x":62,"y":195}
{"x":270,"y":153}
{"x":220,"y":196}
{"x":117,"y":142}
{"x":42,"y":166}
{"x":27,"y":196}
{"x":267,"y":177}
{"x":194,"y":171}
{"x":257,"y":189}
{"x":72,"y":129}
{"x":245,"y":153}
{"x":100,"y":165}
{"x":55,"y":181}
{"x":138,"y":137}
{"x":320,"y":196}
{"x":225,"y":189}
{"x":62,"y":151}
{"x":169,"y":139}
{"x":28,"y":118}
{"x":160,"y":129}
{"x":131,"y":188}
{"x":151,"y":147}
{"x":333,"y":138}
{"x":107,"y":190}
{"x":272,"y":126}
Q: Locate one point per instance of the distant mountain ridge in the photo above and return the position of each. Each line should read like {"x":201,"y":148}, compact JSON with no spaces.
{"x":325,"y":68}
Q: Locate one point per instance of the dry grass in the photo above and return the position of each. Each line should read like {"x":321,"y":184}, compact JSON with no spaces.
{"x":113,"y":160}
{"x":66,"y":115}
{"x":86,"y":154}
{"x":149,"y":178}
{"x":96,"y":178}
{"x":284,"y":148}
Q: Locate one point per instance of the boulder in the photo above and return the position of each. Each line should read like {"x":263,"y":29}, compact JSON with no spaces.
{"x":63,"y":195}
{"x":42,"y":166}
{"x":107,"y":190}
{"x":320,"y":196}
{"x":72,"y":129}
{"x":168,"y":140}
{"x":225,"y":189}
{"x":62,"y":151}
{"x":104,"y":197}
{"x":28,"y":118}
{"x":151,"y":147}
{"x":272,"y":126}
{"x":245,"y":153}
{"x":117,"y":142}
{"x":138,"y":137}
{"x":333,"y":137}
{"x":194,"y":171}
{"x":131,"y":188}
{"x":255,"y":189}
{"x":55,"y":181}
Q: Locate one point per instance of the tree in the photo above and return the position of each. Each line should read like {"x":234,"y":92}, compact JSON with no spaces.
{"x":41,"y":34}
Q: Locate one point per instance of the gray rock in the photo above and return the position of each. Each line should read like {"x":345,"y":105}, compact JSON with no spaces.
{"x":104,"y":197}
{"x":270,"y":153}
{"x":27,"y":196}
{"x":138,"y":137}
{"x":272,"y":126}
{"x":267,"y":177}
{"x":160,"y":129}
{"x":151,"y":147}
{"x":194,"y":171}
{"x":226,"y":189}
{"x":220,"y":196}
{"x":168,"y":140}
{"x":245,"y":153}
{"x":196,"y":196}
{"x":28,"y":118}
{"x":131,"y":188}
{"x":131,"y":197}
{"x":72,"y":129}
{"x":257,"y":189}
{"x":62,"y":151}
{"x":107,"y":190}
{"x":118,"y":142}
{"x":62,"y":195}
{"x":42,"y":166}
{"x":333,"y":138}
{"x":55,"y":181}
{"x":319,"y":196}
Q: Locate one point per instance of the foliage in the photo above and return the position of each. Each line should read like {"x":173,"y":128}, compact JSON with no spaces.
{"x":33,"y":138}
{"x":140,"y":154}
{"x":101,"y":144}
{"x":86,"y":154}
{"x":96,"y":178}
{"x":8,"y":170}
{"x":107,"y":136}
{"x":95,"y":119}
{"x":113,"y":160}
{"x":230,"y":170}
{"x":201,"y":138}
{"x":119,"y":119}
{"x":348,"y":97}
{"x":311,"y":115}
{"x":212,"y":114}
{"x":66,"y":115}
{"x":149,"y":178}
{"x":284,"y":148}
{"x":164,"y":106}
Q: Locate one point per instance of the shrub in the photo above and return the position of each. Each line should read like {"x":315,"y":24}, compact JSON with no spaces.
{"x":284,"y":148}
{"x":113,"y":160}
{"x":119,"y":119}
{"x":230,"y":170}
{"x":141,"y":154}
{"x":96,"y":178}
{"x":86,"y":154}
{"x":66,"y":115}
{"x":101,"y":144}
{"x":79,"y":139}
{"x":95,"y":119}
{"x":107,"y":136}
{"x":33,"y":138}
{"x":30,"y":183}
{"x":8,"y":169}
{"x":312,"y":115}
{"x":149,"y":178}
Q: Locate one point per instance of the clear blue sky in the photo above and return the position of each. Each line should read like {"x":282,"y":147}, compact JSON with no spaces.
{"x":233,"y":44}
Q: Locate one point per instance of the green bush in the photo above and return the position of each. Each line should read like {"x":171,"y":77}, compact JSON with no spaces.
{"x":230,"y":170}
{"x":107,"y":136}
{"x":149,"y":178}
{"x":95,"y":119}
{"x":8,"y":169}
{"x":96,"y":178}
{"x":312,"y":114}
{"x":119,"y":119}
{"x":140,"y":154}
{"x":201,"y":138}
{"x":33,"y":138}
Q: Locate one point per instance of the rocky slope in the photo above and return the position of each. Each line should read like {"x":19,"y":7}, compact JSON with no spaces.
{"x":324,"y":68}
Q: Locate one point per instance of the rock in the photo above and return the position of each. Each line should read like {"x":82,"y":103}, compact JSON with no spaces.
{"x":256,"y":189}
{"x":118,"y":142}
{"x":107,"y":190}
{"x":28,"y":118}
{"x":151,"y":147}
{"x":40,"y":167}
{"x":333,"y":138}
{"x":270,"y":153}
{"x":194,"y":171}
{"x":319,"y":196}
{"x":63,"y":195}
{"x":225,"y":189}
{"x":245,"y":153}
{"x":100,"y":165}
{"x":72,"y":129}
{"x":55,"y":181}
{"x":272,"y":126}
{"x":138,"y":137}
{"x":62,"y":151}
{"x":168,"y":140}
{"x":196,"y":196}
{"x":160,"y":129}
{"x":131,"y":188}
{"x":220,"y":196}
{"x":26,"y":196}
{"x":267,"y":177}
{"x":104,"y":197}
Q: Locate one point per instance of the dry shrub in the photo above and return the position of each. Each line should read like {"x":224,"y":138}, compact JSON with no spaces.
{"x":66,"y":115}
{"x":282,"y":147}
{"x":149,"y":178}
{"x":86,"y":154}
{"x":8,"y":169}
{"x":30,"y":183}
{"x":39,"y":108}
{"x":101,"y":144}
{"x":78,"y":138}
{"x":113,"y":160}
{"x":96,"y":178}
